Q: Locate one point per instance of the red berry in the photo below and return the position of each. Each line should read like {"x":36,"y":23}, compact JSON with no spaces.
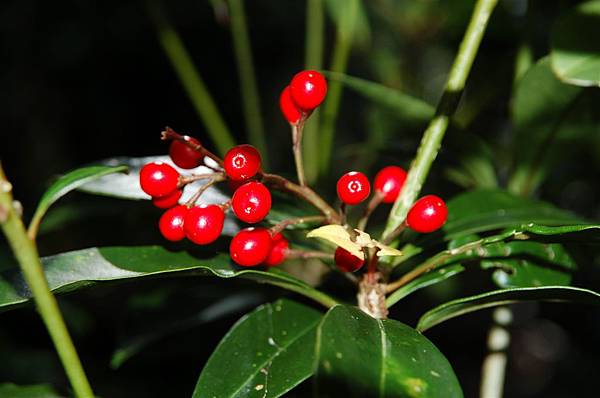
{"x":184,"y":156}
{"x":251,"y":202}
{"x":278,"y":250}
{"x":389,"y":182}
{"x":171,"y":223}
{"x":241,"y":162}
{"x":158,"y":179}
{"x":204,"y":224}
{"x":290,"y":111}
{"x":167,"y":201}
{"x":308,"y":89}
{"x":353,"y":187}
{"x":347,"y":261}
{"x":250,"y":246}
{"x":427,"y":214}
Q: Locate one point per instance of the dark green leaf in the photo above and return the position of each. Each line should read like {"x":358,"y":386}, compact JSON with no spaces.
{"x":265,"y":354}
{"x":68,"y":183}
{"x":74,"y":270}
{"x":359,"y":29}
{"x":495,"y":298}
{"x":359,"y":356}
{"x":9,"y":390}
{"x":564,"y":233}
{"x":575,"y":53}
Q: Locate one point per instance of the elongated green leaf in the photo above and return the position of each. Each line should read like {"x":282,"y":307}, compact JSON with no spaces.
{"x":575,"y":54}
{"x":495,"y":298}
{"x":68,"y":183}
{"x":564,"y":233}
{"x":487,"y":210}
{"x":265,"y":354}
{"x":359,"y":356}
{"x":77,"y":269}
{"x":9,"y":390}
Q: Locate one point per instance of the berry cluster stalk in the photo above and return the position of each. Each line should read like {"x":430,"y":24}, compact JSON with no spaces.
{"x":27,"y":255}
{"x":432,"y":138}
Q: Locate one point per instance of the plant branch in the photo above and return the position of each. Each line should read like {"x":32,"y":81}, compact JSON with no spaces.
{"x":293,"y":221}
{"x":373,"y":203}
{"x":192,"y":201}
{"x":27,"y":255}
{"x":304,"y":254}
{"x":297,"y":148}
{"x":432,"y":138}
{"x":170,"y":134}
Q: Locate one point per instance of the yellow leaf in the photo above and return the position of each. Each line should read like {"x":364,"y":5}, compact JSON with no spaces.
{"x":339,"y":236}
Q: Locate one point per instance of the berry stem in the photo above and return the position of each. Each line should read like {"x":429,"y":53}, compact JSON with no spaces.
{"x":192,"y":201}
{"x":373,"y":203}
{"x":170,"y":134}
{"x":305,"y":193}
{"x":395,"y":233}
{"x":297,"y":147}
{"x":306,"y":254}
{"x":26,"y":253}
{"x":432,"y":138}
{"x":293,"y":221}
{"x":184,"y":180}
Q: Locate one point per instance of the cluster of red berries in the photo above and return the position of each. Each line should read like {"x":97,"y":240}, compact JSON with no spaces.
{"x":306,"y":91}
{"x":203,"y":224}
{"x":427,"y":214}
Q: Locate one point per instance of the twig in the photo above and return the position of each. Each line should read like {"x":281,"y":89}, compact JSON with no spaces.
{"x":170,"y":134}
{"x":297,"y":148}
{"x":300,"y":220}
{"x":373,"y":203}
{"x":192,"y":201}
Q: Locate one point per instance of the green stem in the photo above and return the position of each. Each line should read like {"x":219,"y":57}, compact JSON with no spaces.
{"x":315,"y":26}
{"x":245,"y":65}
{"x":27,"y":255}
{"x":190,"y":79}
{"x":432,"y":138}
{"x":341,"y":52}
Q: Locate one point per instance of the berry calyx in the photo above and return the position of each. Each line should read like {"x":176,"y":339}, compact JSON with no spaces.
{"x":251,"y":202}
{"x":389,"y":182}
{"x":290,"y":111}
{"x":428,"y":214}
{"x":167,"y":201}
{"x":347,"y":261}
{"x":242,"y":162}
{"x":158,"y":179}
{"x":204,"y":224}
{"x":353,"y":187}
{"x":308,"y":89}
{"x":250,"y":246}
{"x":278,"y":250}
{"x":183,"y":155}
{"x":171,"y":223}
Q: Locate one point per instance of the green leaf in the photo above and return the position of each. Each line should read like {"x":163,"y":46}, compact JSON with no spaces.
{"x":575,"y":53}
{"x":67,"y":183}
{"x":77,"y":269}
{"x":495,"y":298}
{"x":358,"y":28}
{"x":565,"y":233}
{"x":360,"y":356}
{"x":265,"y":354}
{"x":428,"y":279}
{"x":486,"y":210}
{"x":9,"y":390}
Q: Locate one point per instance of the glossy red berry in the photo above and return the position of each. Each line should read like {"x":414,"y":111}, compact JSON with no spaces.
{"x":308,"y":89}
{"x":347,"y":261}
{"x":389,"y":182}
{"x":251,"y":202}
{"x":278,"y":250}
{"x":204,"y":224}
{"x":290,"y":111}
{"x":427,"y":214}
{"x":167,"y":201}
{"x":250,"y":246}
{"x":241,"y":162}
{"x":184,"y":156}
{"x":171,"y":223}
{"x":353,"y":187}
{"x":158,"y":179}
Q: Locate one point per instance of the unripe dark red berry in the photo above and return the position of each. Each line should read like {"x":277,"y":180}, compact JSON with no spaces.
{"x":242,"y":162}
{"x":250,"y":246}
{"x":184,"y":156}
{"x":204,"y":224}
{"x":158,"y":179}
{"x":290,"y":111}
{"x":171,"y":223}
{"x":278,"y":250}
{"x":389,"y":181}
{"x":308,"y":89}
{"x":347,"y":261}
{"x":167,"y":201}
{"x":428,"y":214}
{"x":353,"y":187}
{"x":251,"y":202}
